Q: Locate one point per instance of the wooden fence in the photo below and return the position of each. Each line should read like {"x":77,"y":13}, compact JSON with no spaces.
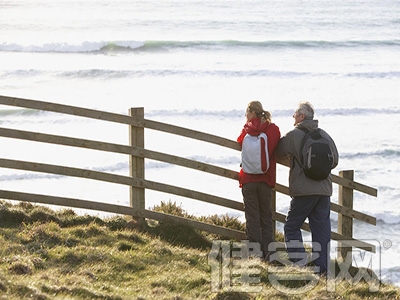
{"x":137,"y":182}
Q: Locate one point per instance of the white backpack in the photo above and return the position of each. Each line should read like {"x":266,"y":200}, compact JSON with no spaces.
{"x":252,"y":149}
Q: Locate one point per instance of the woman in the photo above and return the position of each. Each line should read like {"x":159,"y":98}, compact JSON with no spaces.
{"x":257,"y":188}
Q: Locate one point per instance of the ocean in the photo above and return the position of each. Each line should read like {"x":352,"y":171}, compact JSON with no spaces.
{"x":197,"y":64}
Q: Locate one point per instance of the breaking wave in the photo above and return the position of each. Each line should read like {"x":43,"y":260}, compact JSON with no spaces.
{"x":161,"y":45}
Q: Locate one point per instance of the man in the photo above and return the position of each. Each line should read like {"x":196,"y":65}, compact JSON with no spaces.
{"x":310,"y":198}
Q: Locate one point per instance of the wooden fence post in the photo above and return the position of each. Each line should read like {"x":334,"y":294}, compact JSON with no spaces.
{"x":345,"y":224}
{"x":273,"y":209}
{"x":136,"y":164}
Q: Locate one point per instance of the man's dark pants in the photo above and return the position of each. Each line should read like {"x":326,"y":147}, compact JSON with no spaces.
{"x":317,"y":210}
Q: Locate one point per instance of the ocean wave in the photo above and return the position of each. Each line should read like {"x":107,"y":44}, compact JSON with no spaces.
{"x":274,"y":44}
{"x":109,"y":74}
{"x":15,"y":112}
{"x":167,"y":45}
{"x":116,"y":74}
{"x":384,"y":153}
{"x":28,"y":176}
{"x":84,"y":47}
{"x":387,"y":218}
{"x":96,"y":73}
{"x":232,"y":113}
{"x":194,"y":72}
{"x":237,"y":113}
{"x":219,"y":161}
{"x":121,"y":168}
{"x":372,"y":75}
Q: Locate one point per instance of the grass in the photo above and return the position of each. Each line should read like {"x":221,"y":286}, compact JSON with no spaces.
{"x":48,"y":254}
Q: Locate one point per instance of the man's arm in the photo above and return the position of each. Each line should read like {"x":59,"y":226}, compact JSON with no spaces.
{"x":283,"y":148}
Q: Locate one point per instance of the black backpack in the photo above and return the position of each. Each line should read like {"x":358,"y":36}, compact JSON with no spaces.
{"x":316,"y":155}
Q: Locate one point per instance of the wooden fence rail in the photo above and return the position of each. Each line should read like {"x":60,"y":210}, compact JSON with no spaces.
{"x":136,"y":179}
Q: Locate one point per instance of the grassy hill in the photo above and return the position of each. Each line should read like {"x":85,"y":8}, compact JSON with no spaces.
{"x":48,"y":254}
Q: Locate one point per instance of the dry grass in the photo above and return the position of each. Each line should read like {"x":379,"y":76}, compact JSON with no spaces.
{"x":49,"y":254}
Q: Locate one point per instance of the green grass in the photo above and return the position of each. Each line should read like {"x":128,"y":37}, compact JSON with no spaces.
{"x":48,"y":254}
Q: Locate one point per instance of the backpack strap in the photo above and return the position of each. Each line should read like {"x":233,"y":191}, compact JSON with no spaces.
{"x":307,"y":132}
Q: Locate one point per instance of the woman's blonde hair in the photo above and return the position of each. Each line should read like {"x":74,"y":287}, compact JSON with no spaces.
{"x":257,"y":107}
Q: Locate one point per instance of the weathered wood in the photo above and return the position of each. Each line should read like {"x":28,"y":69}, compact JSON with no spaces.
{"x":117,"y":148}
{"x":336,"y":208}
{"x":123,"y":210}
{"x":343,"y":181}
{"x":273,"y":208}
{"x":348,"y":183}
{"x":136,"y":163}
{"x":348,"y":212}
{"x":334,"y":235}
{"x":170,"y":189}
{"x":129,"y":181}
{"x":284,"y":162}
{"x":282,"y":189}
{"x":137,"y":182}
{"x":118,"y":118}
{"x":345,"y":224}
{"x":66,"y":141}
{"x":65,"y":171}
{"x":222,"y":231}
{"x":194,"y":134}
{"x":120,"y":179}
{"x":123,"y":149}
{"x":124,"y":119}
{"x":68,"y":109}
{"x":189,"y":163}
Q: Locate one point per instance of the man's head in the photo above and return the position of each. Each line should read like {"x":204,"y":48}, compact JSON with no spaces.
{"x":304,"y":111}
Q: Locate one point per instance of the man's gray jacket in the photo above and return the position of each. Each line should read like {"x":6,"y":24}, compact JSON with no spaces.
{"x":289,"y":147}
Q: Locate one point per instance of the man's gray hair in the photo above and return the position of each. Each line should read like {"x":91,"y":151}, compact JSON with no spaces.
{"x":306,"y":109}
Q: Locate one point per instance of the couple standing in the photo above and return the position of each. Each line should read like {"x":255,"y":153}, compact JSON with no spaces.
{"x":310,"y":198}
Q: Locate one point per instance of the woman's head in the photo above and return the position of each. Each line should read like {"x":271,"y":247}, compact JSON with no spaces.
{"x":255,"y":109}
